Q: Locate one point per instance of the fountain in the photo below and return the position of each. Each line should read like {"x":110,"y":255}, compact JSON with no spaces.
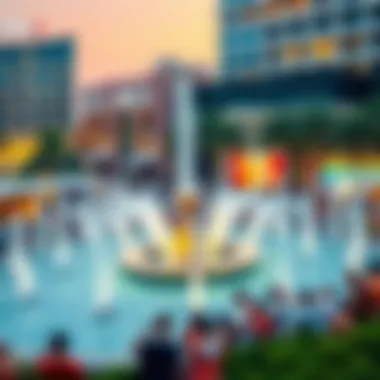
{"x":19,"y":266}
{"x":117,"y":217}
{"x":201,"y":243}
{"x":105,"y":288}
{"x":280,"y":216}
{"x":358,"y":243}
{"x":309,"y":238}
{"x":182,"y":249}
{"x":259,"y":224}
{"x":103,"y":274}
{"x":62,"y":253}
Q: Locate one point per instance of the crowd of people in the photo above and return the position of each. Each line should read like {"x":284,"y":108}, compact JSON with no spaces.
{"x":200,"y":353}
{"x":56,"y":363}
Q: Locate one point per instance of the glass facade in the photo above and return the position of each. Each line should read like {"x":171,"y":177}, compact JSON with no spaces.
{"x":36,"y":84}
{"x":260,"y":36}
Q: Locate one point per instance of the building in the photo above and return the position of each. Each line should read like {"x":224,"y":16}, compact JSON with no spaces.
{"x":141,"y":108}
{"x":121,"y":110}
{"x":260,"y":37}
{"x":118,"y":95}
{"x":291,"y":53}
{"x":278,"y":56}
{"x":36,"y":83}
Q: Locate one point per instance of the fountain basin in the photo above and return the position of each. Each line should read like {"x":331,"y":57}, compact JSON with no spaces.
{"x":137,"y":262}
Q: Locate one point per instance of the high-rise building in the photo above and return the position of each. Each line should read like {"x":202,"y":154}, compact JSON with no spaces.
{"x":36,"y":83}
{"x":260,"y":37}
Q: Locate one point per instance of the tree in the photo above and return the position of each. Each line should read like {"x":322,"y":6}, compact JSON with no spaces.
{"x":54,"y":155}
{"x":369,"y":115}
{"x":216,"y":134}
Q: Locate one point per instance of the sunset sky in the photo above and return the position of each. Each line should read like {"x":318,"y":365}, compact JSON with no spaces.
{"x":124,"y":37}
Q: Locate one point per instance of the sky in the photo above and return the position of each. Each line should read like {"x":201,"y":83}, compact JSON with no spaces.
{"x":117,"y":38}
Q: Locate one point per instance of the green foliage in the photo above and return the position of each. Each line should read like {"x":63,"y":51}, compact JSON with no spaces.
{"x":300,"y":130}
{"x":115,"y":373}
{"x":216,"y":134}
{"x":125,"y":133}
{"x":304,"y":357}
{"x":355,"y":128}
{"x":350,"y":357}
{"x":54,"y":155}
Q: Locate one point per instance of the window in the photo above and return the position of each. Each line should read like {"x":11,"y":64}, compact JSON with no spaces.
{"x":352,"y":2}
{"x":273,"y":55}
{"x":324,"y":49}
{"x":297,"y":27}
{"x":272,"y":32}
{"x":376,"y":10}
{"x":295,"y":52}
{"x":320,"y":2}
{"x":351,"y":16}
{"x":231,"y":17}
{"x":352,"y":43}
{"x":376,"y":39}
{"x":251,"y":13}
{"x":323,"y":21}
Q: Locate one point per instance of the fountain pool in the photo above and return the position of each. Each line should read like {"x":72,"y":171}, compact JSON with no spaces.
{"x":65,"y":296}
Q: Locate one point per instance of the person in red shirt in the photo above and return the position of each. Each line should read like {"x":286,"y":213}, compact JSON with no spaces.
{"x":204,"y":348}
{"x":57,"y":363}
{"x":263,"y":325}
{"x":373,"y":286}
{"x":7,"y":365}
{"x":255,"y":322}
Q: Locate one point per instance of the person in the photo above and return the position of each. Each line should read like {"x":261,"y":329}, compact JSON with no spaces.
{"x":341,"y":323}
{"x":358,"y":306}
{"x":57,"y":363}
{"x":263,"y":325}
{"x":329,"y":309}
{"x":256,"y":322}
{"x":307,"y":314}
{"x":242,"y":320}
{"x":7,"y":365}
{"x":280,"y":303}
{"x":204,"y":348}
{"x":373,"y":281}
{"x":360,"y":300}
{"x":158,"y":357}
{"x":227,"y":330}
